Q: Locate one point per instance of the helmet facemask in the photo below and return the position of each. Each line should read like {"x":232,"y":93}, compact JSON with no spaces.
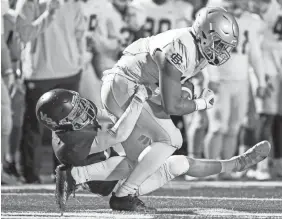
{"x":83,"y":114}
{"x":217,"y":52}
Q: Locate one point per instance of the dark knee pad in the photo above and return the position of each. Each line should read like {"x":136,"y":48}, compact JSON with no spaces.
{"x":277,"y":136}
{"x":265,"y":126}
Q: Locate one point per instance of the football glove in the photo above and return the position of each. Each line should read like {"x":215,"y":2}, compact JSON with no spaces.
{"x":205,"y":100}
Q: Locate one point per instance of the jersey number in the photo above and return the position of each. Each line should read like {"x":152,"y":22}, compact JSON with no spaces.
{"x":92,"y":22}
{"x":162,"y":26}
{"x":278,"y":28}
{"x":244,"y":44}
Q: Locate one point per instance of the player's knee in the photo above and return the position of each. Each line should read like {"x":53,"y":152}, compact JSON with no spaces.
{"x":177,"y":165}
{"x":176,"y":139}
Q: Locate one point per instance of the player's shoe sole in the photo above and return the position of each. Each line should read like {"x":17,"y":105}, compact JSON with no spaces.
{"x":65,"y":185}
{"x":254,"y":155}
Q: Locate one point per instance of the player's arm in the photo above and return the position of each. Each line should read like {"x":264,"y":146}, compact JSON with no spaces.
{"x":170,"y":72}
{"x":125,"y":124}
{"x":29,"y":25}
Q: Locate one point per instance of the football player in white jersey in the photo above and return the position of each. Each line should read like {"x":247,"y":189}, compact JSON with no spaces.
{"x":164,"y":59}
{"x":90,"y":83}
{"x":270,"y":109}
{"x":231,"y":83}
{"x":163,"y":15}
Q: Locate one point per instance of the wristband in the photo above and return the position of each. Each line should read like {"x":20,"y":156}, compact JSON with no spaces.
{"x":200,"y":104}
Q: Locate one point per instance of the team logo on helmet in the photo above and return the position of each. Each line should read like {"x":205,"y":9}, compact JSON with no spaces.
{"x":48,"y":120}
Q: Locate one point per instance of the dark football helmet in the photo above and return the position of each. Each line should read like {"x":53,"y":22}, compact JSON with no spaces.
{"x":62,"y":109}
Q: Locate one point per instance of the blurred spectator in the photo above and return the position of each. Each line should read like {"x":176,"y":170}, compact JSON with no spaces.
{"x":270,"y":109}
{"x":231,"y":86}
{"x":162,"y":15}
{"x":7,"y":81}
{"x":90,"y":83}
{"x":17,"y":91}
{"x":107,"y":35}
{"x":52,"y":32}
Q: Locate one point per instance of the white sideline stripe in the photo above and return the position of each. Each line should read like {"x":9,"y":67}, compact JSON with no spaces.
{"x":34,"y":214}
{"x":173,"y":184}
{"x":110,"y":214}
{"x":154,"y":197}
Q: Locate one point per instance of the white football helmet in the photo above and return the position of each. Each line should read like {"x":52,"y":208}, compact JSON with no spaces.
{"x":217,"y":34}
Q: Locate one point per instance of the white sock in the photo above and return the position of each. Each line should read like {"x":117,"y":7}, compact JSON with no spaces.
{"x":126,"y":189}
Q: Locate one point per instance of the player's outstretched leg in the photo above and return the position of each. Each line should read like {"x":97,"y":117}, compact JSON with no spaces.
{"x":65,"y":185}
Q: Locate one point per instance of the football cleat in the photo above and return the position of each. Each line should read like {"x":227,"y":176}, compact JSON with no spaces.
{"x":65,"y":186}
{"x":129,"y":203}
{"x":253,"y":156}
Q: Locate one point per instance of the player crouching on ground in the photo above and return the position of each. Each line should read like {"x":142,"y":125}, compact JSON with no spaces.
{"x":83,"y":148}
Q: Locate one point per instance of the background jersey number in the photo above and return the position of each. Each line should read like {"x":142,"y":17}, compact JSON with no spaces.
{"x":153,"y":27}
{"x":92,"y":22}
{"x":278,"y":28}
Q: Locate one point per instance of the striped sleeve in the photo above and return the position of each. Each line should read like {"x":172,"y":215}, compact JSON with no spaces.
{"x":177,"y":54}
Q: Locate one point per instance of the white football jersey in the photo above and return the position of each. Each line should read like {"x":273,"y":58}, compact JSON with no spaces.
{"x":179,"y":48}
{"x":92,"y":10}
{"x":159,"y":18}
{"x":106,"y":22}
{"x":272,"y":44}
{"x":237,"y":67}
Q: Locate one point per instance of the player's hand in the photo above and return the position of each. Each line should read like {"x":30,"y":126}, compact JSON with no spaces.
{"x":205,"y":100}
{"x":53,"y":5}
{"x":264,"y":92}
{"x":142,"y":93}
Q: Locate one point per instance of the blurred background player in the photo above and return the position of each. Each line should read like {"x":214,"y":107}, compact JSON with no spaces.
{"x":107,"y":35}
{"x":90,"y":83}
{"x":7,"y":83}
{"x":163,"y":15}
{"x":270,"y":109}
{"x":52,"y":34}
{"x":16,"y":92}
{"x":230,"y":83}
